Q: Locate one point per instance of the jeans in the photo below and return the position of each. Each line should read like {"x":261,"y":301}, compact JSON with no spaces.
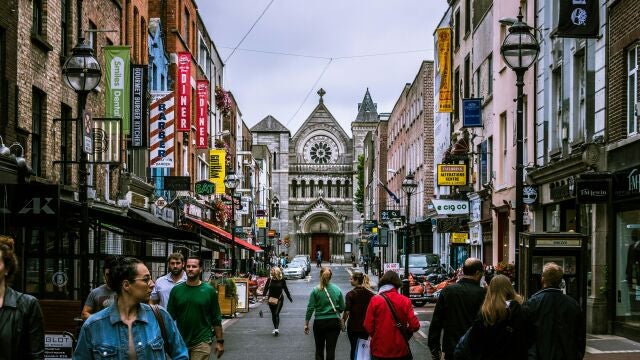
{"x":325,"y":333}
{"x":275,"y":312}
{"x":353,"y":340}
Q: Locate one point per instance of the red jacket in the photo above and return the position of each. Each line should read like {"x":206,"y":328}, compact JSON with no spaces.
{"x":386,"y":339}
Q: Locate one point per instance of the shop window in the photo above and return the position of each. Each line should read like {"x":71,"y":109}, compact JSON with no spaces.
{"x":628,"y":266}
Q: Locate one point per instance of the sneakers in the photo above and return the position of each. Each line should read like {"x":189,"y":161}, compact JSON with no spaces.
{"x":275,"y":332}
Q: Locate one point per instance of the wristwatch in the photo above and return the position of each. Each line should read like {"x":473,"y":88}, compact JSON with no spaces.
{"x":220,"y":341}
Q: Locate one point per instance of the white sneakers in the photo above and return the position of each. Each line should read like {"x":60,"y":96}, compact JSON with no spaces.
{"x":275,"y":332}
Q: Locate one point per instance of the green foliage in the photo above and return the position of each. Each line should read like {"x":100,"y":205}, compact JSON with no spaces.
{"x":359,"y":195}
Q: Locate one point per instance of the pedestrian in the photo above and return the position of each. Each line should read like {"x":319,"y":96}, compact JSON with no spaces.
{"x":195,"y":308}
{"x":376,"y":265}
{"x":456,"y":309}
{"x":129,"y":329}
{"x":356,"y":303}
{"x":21,"y":324}
{"x":559,"y":323}
{"x":390,"y":320}
{"x":274,"y":288}
{"x":103,"y":296}
{"x":164,"y":284}
{"x":501,"y":330}
{"x":326,"y":302}
{"x":353,"y":260}
{"x":318,"y":260}
{"x":366,"y":265}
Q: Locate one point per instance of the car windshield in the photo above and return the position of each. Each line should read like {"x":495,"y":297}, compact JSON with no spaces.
{"x":298,"y":263}
{"x":423,"y":260}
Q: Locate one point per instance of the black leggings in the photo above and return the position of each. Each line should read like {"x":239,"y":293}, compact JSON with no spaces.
{"x":326,"y":331}
{"x":275,"y":312}
{"x":353,"y":339}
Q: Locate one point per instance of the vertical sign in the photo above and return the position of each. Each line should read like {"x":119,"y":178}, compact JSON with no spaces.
{"x":183,"y":87}
{"x":578,"y":19}
{"x":87,"y":126}
{"x":472,"y":112}
{"x":138,"y":106}
{"x":445,"y":96}
{"x":216,"y":169}
{"x":202,"y":114}
{"x":161,"y":130}
{"x":118,"y":63}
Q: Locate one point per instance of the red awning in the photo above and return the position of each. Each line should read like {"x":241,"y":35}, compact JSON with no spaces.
{"x":225,"y":235}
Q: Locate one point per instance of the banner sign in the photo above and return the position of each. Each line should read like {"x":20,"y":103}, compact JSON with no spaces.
{"x":243,"y":209}
{"x":459,"y":238}
{"x":161,"y":130}
{"x":138,"y":106}
{"x":177,"y":183}
{"x":450,"y":207}
{"x":202,"y":114}
{"x":183,"y":88}
{"x":118,"y":64}
{"x":472,"y":112}
{"x":578,"y":19}
{"x":217,"y":169}
{"x":452,"y":175}
{"x":445,"y":93}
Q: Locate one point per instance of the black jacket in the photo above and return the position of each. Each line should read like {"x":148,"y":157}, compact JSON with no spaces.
{"x":274,"y":288}
{"x":455,"y":311}
{"x":559,"y":326}
{"x":21,"y":327}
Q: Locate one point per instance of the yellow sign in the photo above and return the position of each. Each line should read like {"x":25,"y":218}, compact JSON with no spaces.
{"x":261,"y":222}
{"x":216,"y":169}
{"x":452,"y":175}
{"x":459,"y":238}
{"x":445,"y":92}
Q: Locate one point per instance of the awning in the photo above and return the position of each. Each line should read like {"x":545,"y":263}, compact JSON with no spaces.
{"x":225,"y":235}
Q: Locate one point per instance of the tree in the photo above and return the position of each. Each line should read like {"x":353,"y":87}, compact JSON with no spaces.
{"x":359,"y":196}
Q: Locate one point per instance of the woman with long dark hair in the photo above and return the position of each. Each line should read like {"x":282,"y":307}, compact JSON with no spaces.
{"x":357,"y":301}
{"x":274,"y":288}
{"x":21,"y":326}
{"x":326,"y":302}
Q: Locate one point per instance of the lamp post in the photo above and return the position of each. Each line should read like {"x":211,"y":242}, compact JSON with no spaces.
{"x":231,"y":182}
{"x":82,"y":73}
{"x":409,"y":187}
{"x":519,"y":50}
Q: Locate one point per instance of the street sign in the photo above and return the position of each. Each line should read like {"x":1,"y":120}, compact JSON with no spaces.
{"x":161,"y":202}
{"x":388,"y":215}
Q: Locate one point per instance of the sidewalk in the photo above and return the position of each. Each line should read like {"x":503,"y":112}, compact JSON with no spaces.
{"x":602,"y":347}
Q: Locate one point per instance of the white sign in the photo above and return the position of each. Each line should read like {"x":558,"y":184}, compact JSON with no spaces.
{"x":59,"y":279}
{"x":58,"y":346}
{"x":451,"y":207}
{"x":161,"y":202}
{"x":87,"y":126}
{"x":392,"y":266}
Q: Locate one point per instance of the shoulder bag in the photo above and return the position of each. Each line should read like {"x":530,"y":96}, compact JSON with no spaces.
{"x":342,"y":327}
{"x":272,"y":300}
{"x":406,"y":334}
{"x":163,"y":329}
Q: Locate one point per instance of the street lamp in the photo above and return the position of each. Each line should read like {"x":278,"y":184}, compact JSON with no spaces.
{"x":82,"y":73}
{"x":231,"y":182}
{"x":519,"y":50}
{"x":409,"y":187}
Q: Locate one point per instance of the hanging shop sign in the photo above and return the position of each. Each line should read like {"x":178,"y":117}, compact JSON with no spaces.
{"x":529,"y":194}
{"x":459,"y":238}
{"x":183,"y":89}
{"x":452,"y":174}
{"x":578,"y":19}
{"x":593,"y":190}
{"x":445,"y":90}
{"x":217,"y":169}
{"x":261,"y":222}
{"x":161,"y":130}
{"x":204,"y":187}
{"x":472,"y":112}
{"x":202,"y":114}
{"x":177,"y":183}
{"x":117,"y":87}
{"x":388,"y":215}
{"x":138,"y":106}
{"x":451,"y":207}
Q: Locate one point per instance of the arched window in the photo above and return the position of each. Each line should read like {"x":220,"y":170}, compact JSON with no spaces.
{"x":303,"y":186}
{"x":321,"y":188}
{"x":311,"y":188}
{"x":346,"y":189}
{"x":275,"y":208}
{"x":329,"y":189}
{"x":338,"y":189}
{"x":294,"y":189}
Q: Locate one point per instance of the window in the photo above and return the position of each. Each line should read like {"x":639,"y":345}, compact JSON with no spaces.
{"x":275,"y":208}
{"x":329,"y":188}
{"x":294,"y":189}
{"x":91,"y":33}
{"x":275,"y":160}
{"x":467,"y":17}
{"x":632,"y":90}
{"x":136,"y":36}
{"x":556,"y":115}
{"x":143,"y":41}
{"x":3,"y":84}
{"x":580,"y":104}
{"x":38,"y":103}
{"x":186,"y":22}
{"x":456,"y":93}
{"x":456,"y":30}
{"x":467,"y":76}
{"x":484,"y":175}
{"x":66,"y":142}
{"x":37,"y":27}
{"x":490,"y":74}
{"x":478,"y":87}
{"x":64,"y":27}
{"x":503,"y":145}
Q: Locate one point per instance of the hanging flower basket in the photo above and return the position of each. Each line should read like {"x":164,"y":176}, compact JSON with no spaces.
{"x":223,"y":101}
{"x":506,"y":269}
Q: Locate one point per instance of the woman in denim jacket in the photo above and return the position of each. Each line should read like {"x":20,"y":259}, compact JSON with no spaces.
{"x":128,"y":329}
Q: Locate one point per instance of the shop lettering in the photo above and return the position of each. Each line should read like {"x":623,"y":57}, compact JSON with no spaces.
{"x":589,"y":192}
{"x":162,"y":149}
{"x":38,"y":206}
{"x":634,"y":181}
{"x":453,"y":207}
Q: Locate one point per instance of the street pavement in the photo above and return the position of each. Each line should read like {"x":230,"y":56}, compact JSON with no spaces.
{"x":248,"y":335}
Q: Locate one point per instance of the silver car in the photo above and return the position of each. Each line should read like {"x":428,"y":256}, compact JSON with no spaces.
{"x":294,"y":270}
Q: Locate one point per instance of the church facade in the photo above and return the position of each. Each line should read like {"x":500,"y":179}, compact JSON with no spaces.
{"x":314,"y":183}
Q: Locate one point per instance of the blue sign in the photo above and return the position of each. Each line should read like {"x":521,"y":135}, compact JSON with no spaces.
{"x":472,"y":112}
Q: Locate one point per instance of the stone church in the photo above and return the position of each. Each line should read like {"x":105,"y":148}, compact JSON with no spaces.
{"x":313,"y":181}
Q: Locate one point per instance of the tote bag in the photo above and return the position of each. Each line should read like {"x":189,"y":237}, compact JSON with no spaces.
{"x":363,"y":351}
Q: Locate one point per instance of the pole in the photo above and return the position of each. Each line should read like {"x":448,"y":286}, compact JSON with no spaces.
{"x":84,"y":206}
{"x":519,"y":170}
{"x":405,"y":281}
{"x":233,"y":233}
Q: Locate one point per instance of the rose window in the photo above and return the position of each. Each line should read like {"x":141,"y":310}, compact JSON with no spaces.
{"x":320,"y":153}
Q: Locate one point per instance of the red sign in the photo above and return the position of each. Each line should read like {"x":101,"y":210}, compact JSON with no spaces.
{"x":183,"y":88}
{"x":202,"y":91}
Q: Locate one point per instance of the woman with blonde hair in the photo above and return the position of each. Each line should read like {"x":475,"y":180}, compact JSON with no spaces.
{"x":501,"y":330}
{"x":357,"y":301}
{"x":327,"y":302}
{"x":275,"y":286}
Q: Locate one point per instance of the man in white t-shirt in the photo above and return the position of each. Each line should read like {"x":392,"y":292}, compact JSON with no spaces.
{"x":164,"y":284}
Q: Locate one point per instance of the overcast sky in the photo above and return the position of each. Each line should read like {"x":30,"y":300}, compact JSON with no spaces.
{"x":269,"y":84}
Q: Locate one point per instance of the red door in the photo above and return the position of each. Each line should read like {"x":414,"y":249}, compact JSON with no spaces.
{"x":320,"y":242}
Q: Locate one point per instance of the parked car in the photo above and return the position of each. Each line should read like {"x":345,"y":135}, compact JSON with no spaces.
{"x":421,"y":264}
{"x":307,"y":261}
{"x":294,"y":270}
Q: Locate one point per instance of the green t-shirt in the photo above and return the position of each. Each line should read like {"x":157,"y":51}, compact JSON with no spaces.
{"x":196,"y":311}
{"x":320,"y":305}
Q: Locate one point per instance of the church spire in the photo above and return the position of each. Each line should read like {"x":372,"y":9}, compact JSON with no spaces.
{"x":367,"y":109}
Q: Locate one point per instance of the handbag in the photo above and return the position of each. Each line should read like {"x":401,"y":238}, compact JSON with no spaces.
{"x":273,"y":300}
{"x":342,"y":326}
{"x":462,"y":350}
{"x":163,"y":330}
{"x":406,"y":333}
{"x":363,"y":350}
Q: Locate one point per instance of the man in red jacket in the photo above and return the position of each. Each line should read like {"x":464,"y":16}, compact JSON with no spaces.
{"x":387,"y":340}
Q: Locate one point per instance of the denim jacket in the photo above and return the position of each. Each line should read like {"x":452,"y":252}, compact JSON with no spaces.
{"x":105,"y":336}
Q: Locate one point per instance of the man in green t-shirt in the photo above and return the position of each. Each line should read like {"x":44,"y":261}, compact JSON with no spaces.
{"x":194,"y":306}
